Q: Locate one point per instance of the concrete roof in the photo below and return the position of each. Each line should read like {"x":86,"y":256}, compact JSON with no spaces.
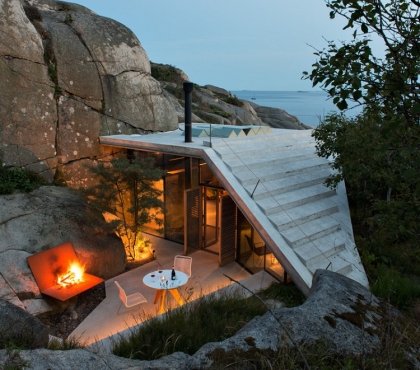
{"x":306,"y":224}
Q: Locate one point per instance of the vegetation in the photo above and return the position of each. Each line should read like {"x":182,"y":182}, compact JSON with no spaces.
{"x":14,"y":361}
{"x":288,"y":294}
{"x":377,"y":153}
{"x":167,"y":73}
{"x":216,"y":110}
{"x":182,"y":330}
{"x":211,"y":318}
{"x":230,"y":99}
{"x":127,"y":196}
{"x":64,"y":345}
{"x":17,"y":179}
{"x":399,"y":340}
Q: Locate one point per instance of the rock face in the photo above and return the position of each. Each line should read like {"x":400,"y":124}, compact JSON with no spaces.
{"x":214,"y":104}
{"x":67,"y":76}
{"x":20,"y":328}
{"x":278,"y":118}
{"x":339,"y":312}
{"x":42,"y":219}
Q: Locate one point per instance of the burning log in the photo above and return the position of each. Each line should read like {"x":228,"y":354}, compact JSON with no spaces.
{"x":74,"y":275}
{"x":47,"y":265}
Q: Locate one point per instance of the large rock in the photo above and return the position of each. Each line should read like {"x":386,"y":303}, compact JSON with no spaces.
{"x":67,"y":76}
{"x":339,"y":312}
{"x":42,"y":219}
{"x":278,"y":118}
{"x":20,"y":328}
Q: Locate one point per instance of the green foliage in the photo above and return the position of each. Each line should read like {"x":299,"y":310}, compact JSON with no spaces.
{"x":211,"y":318}
{"x":231,"y":99}
{"x":64,"y":345}
{"x":17,"y":179}
{"x":167,"y":73}
{"x":398,"y":289}
{"x":14,"y":361}
{"x":126,"y":193}
{"x":351,"y":72}
{"x":377,"y":153}
{"x":216,"y":110}
{"x":289,"y":294}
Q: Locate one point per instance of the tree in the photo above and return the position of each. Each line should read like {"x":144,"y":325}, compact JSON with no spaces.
{"x":351,"y":72}
{"x":128,"y":198}
{"x":377,"y":153}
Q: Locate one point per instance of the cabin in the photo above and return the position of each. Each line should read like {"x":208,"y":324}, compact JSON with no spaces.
{"x":251,"y":194}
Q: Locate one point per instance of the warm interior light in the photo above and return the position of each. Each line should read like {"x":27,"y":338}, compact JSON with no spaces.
{"x":73,"y":275}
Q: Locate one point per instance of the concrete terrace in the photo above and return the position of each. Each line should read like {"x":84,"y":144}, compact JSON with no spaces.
{"x":110,"y":318}
{"x":276,"y":179}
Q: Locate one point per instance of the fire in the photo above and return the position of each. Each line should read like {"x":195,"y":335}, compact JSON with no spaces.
{"x":73,"y":275}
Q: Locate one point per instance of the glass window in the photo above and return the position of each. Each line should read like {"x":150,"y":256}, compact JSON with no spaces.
{"x":174,"y":197}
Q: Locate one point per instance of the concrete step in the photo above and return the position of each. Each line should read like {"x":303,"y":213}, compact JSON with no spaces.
{"x":336,"y":264}
{"x":285,"y":138}
{"x":261,"y":164}
{"x":297,"y":216}
{"x":319,"y":250}
{"x":252,"y":158}
{"x":272,"y":188}
{"x":248,"y":178}
{"x":294,"y":198}
{"x":311,"y":231}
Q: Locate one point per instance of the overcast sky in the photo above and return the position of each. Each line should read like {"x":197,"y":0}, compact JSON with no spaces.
{"x":235,"y":44}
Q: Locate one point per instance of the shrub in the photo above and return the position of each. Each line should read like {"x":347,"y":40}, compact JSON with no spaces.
{"x":166,"y":72}
{"x":232,"y":99}
{"x":400,"y":290}
{"x":17,"y":179}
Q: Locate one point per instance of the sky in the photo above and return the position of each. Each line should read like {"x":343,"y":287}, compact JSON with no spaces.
{"x":234,"y":44}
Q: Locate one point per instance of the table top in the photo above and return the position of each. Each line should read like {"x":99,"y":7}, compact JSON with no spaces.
{"x":161,"y":279}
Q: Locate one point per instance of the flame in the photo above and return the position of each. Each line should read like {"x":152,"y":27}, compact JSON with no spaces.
{"x":73,"y":275}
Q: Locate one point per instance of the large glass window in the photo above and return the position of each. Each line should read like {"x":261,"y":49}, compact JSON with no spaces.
{"x":174,"y":197}
{"x":253,"y":254}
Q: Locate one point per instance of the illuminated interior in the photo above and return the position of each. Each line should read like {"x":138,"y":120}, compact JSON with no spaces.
{"x":184,"y":173}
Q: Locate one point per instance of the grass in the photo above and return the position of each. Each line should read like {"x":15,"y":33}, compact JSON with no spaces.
{"x":288,"y":294}
{"x":211,"y":318}
{"x":64,"y":345}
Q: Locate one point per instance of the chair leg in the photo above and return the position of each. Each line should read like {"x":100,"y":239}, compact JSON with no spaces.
{"x":119,"y":308}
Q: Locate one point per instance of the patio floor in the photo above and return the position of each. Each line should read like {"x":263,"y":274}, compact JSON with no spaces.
{"x":110,"y":317}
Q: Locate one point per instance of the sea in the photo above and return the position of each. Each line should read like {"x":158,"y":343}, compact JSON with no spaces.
{"x":310,"y":107}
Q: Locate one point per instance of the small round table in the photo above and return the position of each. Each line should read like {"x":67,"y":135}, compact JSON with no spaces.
{"x":161,"y":281}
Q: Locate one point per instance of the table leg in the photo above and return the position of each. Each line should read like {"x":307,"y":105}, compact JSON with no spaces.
{"x":162,"y":301}
{"x":175,"y":293}
{"x":158,"y":296}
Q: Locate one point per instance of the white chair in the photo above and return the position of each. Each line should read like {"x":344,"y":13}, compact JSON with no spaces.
{"x":183,"y":263}
{"x":130,"y":300}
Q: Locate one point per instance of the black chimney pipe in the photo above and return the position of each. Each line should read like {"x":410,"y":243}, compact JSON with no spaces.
{"x":188,"y":88}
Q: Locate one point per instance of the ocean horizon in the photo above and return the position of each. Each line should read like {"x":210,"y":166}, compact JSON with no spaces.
{"x":310,"y":107}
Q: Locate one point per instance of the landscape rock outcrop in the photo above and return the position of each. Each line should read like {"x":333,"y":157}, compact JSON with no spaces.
{"x":213,"y":104}
{"x":339,"y":312}
{"x":68,"y":76}
{"x":19,"y":327}
{"x":46,"y":217}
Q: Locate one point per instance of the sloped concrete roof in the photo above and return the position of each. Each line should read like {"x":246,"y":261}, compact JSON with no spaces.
{"x":276,"y":179}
